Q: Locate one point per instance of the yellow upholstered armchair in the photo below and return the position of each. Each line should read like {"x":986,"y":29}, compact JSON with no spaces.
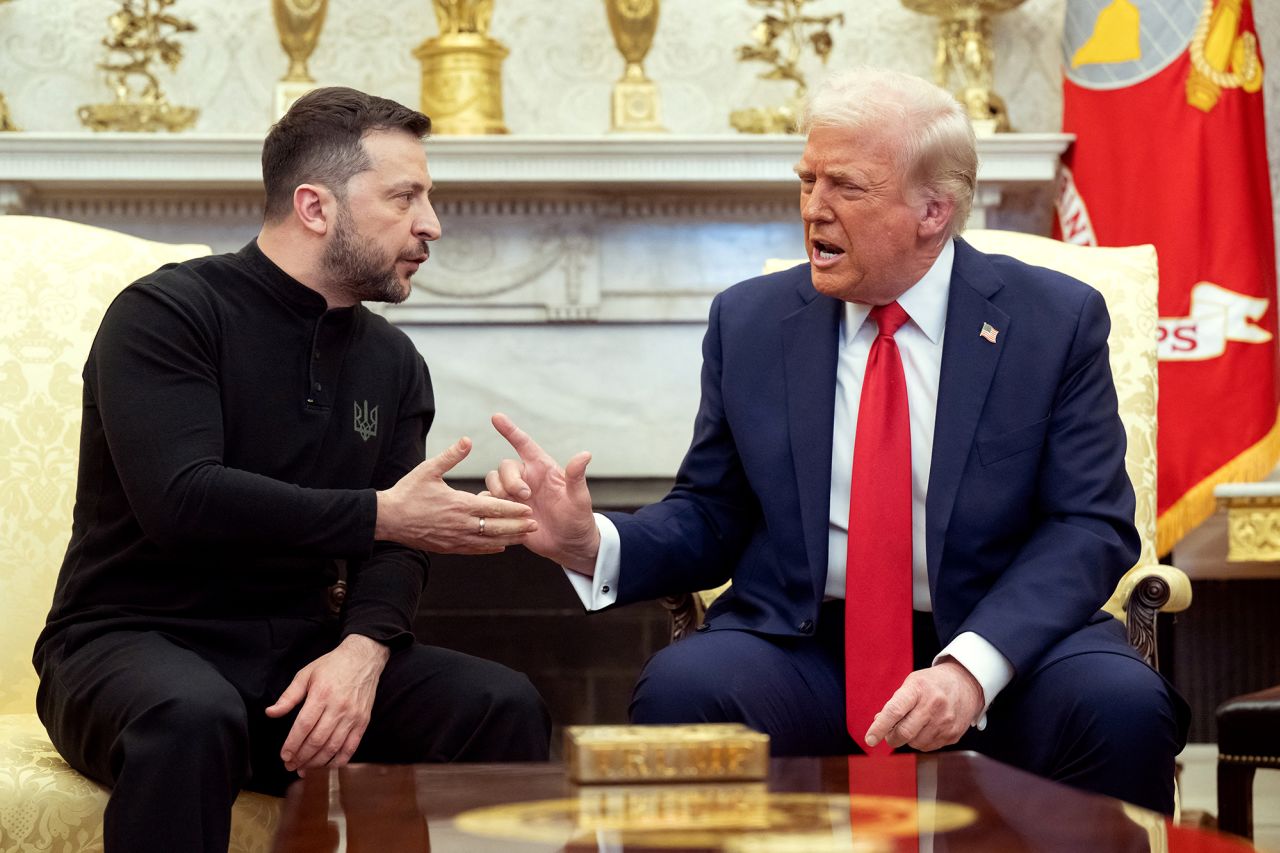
{"x":56,"y":280}
{"x":1127,"y":278}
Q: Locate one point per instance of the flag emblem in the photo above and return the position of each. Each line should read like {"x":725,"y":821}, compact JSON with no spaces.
{"x":988,"y":333}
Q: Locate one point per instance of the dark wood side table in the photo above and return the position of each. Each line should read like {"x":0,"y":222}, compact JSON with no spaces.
{"x":983,"y":806}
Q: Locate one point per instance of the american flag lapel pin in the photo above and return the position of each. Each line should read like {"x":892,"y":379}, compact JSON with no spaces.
{"x":988,"y":333}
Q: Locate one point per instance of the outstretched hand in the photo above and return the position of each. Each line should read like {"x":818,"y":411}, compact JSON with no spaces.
{"x":559,"y":498}
{"x":424,"y":512}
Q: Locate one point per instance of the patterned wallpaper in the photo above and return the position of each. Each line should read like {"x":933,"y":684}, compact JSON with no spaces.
{"x":558,"y":76}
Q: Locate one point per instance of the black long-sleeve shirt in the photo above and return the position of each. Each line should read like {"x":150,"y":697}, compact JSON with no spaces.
{"x":234,"y":432}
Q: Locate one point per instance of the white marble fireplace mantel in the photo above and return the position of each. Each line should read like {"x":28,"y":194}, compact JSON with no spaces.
{"x":136,"y":162}
{"x":572,"y":282}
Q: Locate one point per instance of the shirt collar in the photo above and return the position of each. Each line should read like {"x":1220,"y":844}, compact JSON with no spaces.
{"x":925,"y":301}
{"x":287,"y":288}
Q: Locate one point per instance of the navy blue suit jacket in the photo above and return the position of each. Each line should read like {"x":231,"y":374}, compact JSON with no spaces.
{"x":1029,"y":512}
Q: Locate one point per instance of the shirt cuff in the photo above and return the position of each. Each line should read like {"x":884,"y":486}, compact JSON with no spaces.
{"x":985,"y":663}
{"x":601,"y":589}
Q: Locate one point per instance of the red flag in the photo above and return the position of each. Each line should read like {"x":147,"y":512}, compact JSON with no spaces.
{"x":1165,"y":100}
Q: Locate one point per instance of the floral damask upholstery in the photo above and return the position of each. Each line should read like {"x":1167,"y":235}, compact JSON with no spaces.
{"x":56,"y":280}
{"x":1127,"y":277}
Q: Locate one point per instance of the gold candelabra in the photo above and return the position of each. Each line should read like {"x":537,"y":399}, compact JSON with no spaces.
{"x":137,"y":34}
{"x":636,"y":105}
{"x":780,"y":41}
{"x":462,"y":70}
{"x":6,"y":123}
{"x":298,"y":23}
{"x":963,"y":50}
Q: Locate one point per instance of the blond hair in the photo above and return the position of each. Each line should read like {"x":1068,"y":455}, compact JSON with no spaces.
{"x":938,"y":154}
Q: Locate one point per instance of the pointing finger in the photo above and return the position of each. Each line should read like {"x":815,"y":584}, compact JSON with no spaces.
{"x":519,"y":440}
{"x":894,"y":710}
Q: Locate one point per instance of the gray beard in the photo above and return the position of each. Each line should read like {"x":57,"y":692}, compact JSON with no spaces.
{"x":356,"y":269}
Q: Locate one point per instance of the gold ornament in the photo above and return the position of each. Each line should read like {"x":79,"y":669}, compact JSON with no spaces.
{"x":963,"y":48}
{"x":725,"y":816}
{"x":136,"y":33}
{"x":6,"y":123}
{"x":299,"y":23}
{"x":462,"y":70}
{"x":1222,"y":57}
{"x":1253,"y":525}
{"x":636,"y":105}
{"x":780,"y":40}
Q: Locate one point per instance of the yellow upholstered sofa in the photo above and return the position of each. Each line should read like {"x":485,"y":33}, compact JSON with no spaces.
{"x":56,"y":279}
{"x":1128,"y":279}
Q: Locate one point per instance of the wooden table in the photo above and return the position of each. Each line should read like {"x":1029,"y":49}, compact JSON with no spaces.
{"x":964,"y":803}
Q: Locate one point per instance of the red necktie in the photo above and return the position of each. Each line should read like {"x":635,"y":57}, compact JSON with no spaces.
{"x":877,"y":613}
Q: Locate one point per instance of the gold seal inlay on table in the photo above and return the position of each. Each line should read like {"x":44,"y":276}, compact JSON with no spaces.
{"x":730,"y":816}
{"x":963,"y":49}
{"x":701,"y":752}
{"x":298,"y":23}
{"x":138,"y":33}
{"x":462,"y":70}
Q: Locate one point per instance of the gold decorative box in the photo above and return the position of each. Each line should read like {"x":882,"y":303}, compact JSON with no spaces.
{"x":705,"y":752}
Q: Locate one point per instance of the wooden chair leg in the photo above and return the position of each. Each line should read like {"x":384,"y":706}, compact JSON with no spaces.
{"x":1235,"y":798}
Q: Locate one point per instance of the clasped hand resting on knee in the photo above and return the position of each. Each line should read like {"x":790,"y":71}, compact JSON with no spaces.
{"x":336,"y":691}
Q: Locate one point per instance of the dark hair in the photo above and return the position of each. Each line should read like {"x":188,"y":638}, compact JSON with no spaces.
{"x":318,"y":141}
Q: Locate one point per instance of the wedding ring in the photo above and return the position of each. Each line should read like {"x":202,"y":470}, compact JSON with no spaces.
{"x":482,"y":526}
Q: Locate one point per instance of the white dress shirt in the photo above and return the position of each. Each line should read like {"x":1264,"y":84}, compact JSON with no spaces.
{"x":920,"y":345}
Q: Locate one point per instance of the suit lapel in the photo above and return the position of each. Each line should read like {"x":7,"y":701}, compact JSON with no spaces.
{"x":968,"y":366}
{"x":810,"y":338}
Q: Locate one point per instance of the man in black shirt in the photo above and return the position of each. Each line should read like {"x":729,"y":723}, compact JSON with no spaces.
{"x":249,"y":431}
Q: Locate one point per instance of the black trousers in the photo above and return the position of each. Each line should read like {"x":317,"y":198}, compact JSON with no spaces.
{"x":1102,"y":722}
{"x":172,"y":718}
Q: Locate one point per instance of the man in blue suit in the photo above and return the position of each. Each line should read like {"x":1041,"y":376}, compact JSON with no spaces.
{"x":1020,"y":518}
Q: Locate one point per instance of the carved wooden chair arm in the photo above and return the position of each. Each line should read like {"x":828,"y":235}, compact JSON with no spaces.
{"x":687,"y":609}
{"x":1142,"y":593}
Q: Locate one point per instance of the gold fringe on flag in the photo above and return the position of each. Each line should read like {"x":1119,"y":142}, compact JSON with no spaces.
{"x":1190,"y":510}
